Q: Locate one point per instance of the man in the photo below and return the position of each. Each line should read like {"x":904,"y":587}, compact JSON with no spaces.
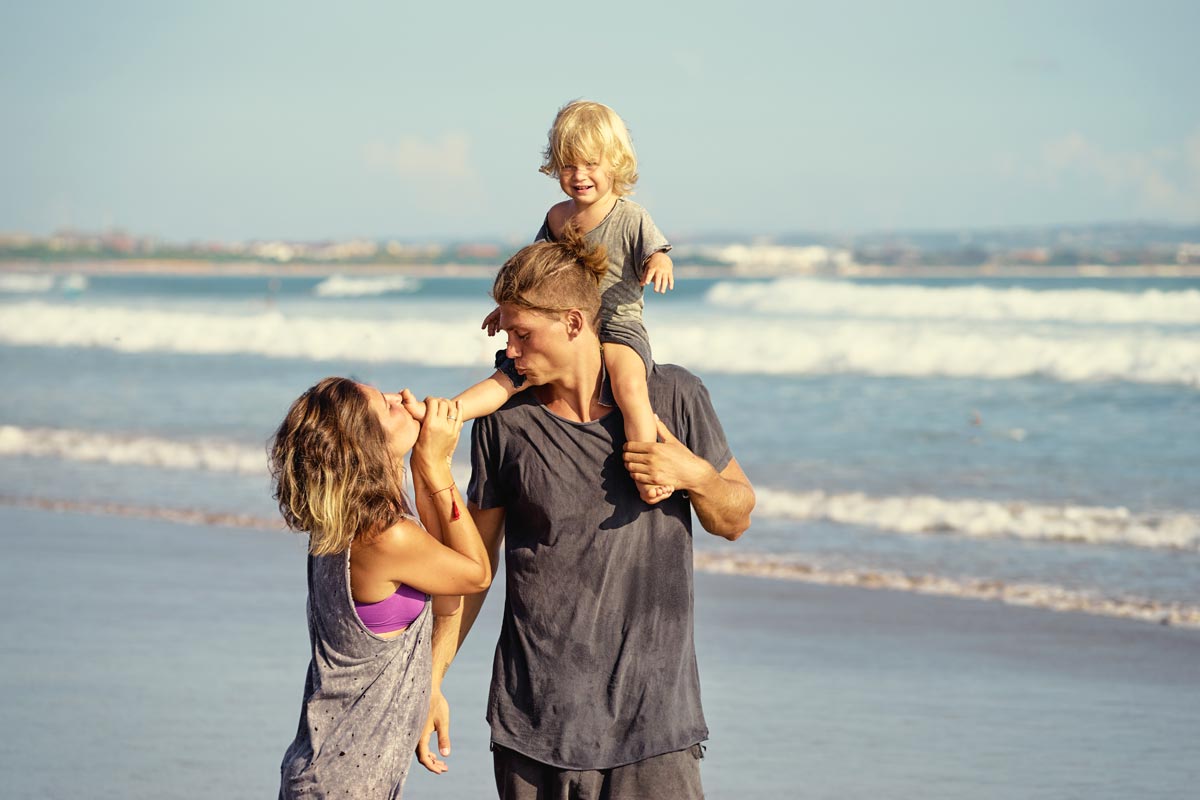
{"x":595,"y":689}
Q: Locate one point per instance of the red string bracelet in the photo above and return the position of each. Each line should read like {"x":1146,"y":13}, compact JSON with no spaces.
{"x":454,"y":514}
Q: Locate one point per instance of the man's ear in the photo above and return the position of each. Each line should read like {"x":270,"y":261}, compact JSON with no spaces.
{"x":573,"y":319}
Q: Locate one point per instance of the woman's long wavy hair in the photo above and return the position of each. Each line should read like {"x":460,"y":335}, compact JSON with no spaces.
{"x":334,"y":475}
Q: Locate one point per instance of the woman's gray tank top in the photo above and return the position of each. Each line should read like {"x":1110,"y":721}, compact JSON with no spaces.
{"x":365,"y":699}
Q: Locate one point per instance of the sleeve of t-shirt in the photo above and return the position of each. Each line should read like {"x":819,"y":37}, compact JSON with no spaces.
{"x":650,"y":239}
{"x":484,"y":488}
{"x":699,"y":427}
{"x":543,"y":234}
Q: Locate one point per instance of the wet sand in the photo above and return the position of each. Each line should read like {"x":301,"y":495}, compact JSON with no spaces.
{"x":148,"y":659}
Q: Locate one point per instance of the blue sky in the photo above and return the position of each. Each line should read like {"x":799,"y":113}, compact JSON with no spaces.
{"x":190,"y":120}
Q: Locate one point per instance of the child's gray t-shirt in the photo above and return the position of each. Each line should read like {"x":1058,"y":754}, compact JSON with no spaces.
{"x":630,"y":237}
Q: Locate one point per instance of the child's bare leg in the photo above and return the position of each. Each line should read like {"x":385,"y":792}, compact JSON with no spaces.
{"x":478,"y":401}
{"x":627,"y":372}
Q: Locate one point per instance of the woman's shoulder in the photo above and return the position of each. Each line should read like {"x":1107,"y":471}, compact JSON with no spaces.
{"x":393,"y":539}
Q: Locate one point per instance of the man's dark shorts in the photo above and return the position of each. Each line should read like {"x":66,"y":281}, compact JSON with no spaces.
{"x":671,"y":775}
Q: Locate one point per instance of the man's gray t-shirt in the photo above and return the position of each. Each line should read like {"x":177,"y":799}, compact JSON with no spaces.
{"x":596,"y":664}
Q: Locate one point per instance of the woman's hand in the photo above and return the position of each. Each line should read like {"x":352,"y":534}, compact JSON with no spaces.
{"x":439,"y":432}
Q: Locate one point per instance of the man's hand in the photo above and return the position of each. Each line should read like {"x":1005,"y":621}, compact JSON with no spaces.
{"x":666,"y":463}
{"x":660,"y":271}
{"x":439,"y":721}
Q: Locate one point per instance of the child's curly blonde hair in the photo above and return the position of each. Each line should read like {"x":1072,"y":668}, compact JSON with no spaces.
{"x":583,"y":132}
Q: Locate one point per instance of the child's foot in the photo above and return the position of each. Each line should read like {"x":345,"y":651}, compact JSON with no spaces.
{"x":411,"y":404}
{"x":652,"y":494}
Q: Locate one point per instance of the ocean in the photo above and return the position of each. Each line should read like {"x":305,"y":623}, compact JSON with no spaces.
{"x":1034,"y":441}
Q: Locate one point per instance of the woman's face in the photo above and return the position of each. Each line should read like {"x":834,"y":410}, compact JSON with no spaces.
{"x":399,"y":427}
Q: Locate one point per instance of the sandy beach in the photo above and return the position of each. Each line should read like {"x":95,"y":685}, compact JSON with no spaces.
{"x":149,"y":659}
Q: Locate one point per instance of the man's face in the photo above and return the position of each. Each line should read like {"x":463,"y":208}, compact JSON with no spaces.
{"x":538,"y":345}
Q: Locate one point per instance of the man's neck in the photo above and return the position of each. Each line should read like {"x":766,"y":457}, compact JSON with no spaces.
{"x":575,"y":395}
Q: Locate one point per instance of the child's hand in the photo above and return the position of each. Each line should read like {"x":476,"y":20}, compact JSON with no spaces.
{"x":491,"y":323}
{"x":660,"y":271}
{"x":412,"y":405}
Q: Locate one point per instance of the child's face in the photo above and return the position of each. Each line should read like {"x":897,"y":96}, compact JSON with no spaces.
{"x":586,"y":183}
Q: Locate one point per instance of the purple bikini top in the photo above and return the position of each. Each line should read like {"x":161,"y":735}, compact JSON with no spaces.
{"x":394,"y":612}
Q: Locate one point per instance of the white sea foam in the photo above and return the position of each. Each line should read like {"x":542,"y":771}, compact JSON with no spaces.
{"x":73,"y":283}
{"x":129,"y":449}
{"x":459,"y":342}
{"x":24,"y":283}
{"x":918,"y":514}
{"x":978,"y":303}
{"x":987,"y":519}
{"x":1038,"y":595}
{"x":919,"y":350}
{"x":210,"y":455}
{"x":347,"y":286}
{"x":185,"y":516}
{"x":867,"y":347}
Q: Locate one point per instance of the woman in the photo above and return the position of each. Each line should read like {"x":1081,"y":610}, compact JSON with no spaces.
{"x":337,"y":462}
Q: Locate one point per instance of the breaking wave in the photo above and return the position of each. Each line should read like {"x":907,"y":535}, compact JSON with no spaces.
{"x":1036,"y":595}
{"x":30,"y":283}
{"x":916,"y":514}
{"x":185,"y":516}
{"x":268,"y":333}
{"x":979,"y":303}
{"x":129,"y":449}
{"x":805,"y":347}
{"x":988,"y":519}
{"x":345,"y":286}
{"x":210,"y":455}
{"x":915,"y":350}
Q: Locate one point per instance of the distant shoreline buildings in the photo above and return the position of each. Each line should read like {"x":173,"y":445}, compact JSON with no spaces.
{"x":1118,"y":246}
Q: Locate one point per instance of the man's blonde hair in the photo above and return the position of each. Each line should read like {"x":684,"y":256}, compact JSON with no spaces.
{"x":583,"y":132}
{"x":552,"y":277}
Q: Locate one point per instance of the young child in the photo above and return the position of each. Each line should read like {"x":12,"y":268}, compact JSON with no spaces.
{"x":591,"y":155}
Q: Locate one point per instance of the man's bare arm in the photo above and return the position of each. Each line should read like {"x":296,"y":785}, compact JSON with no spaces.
{"x":449,"y":632}
{"x":723,"y":500}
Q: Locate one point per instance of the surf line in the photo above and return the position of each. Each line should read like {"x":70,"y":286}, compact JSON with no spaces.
{"x":1042,"y":596}
{"x":184,"y":516}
